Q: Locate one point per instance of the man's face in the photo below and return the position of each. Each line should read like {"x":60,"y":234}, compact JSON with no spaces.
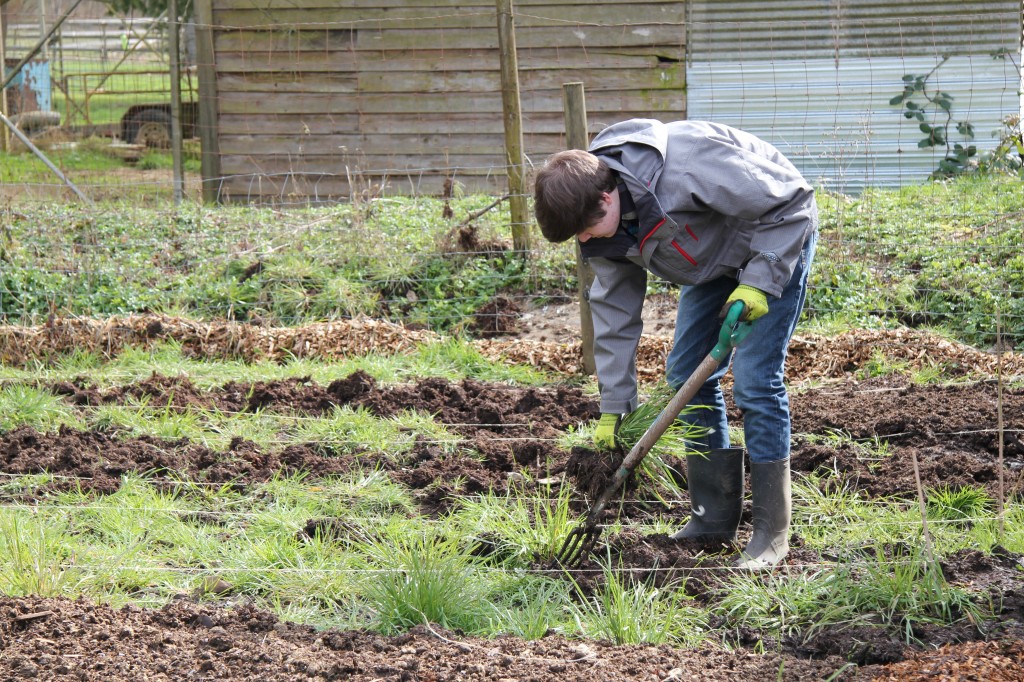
{"x":609,"y":224}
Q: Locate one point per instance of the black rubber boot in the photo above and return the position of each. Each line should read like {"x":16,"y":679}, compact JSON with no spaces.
{"x":772,"y":496}
{"x":715,"y":480}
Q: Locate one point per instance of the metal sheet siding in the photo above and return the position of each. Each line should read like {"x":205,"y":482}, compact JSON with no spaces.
{"x":815,"y":78}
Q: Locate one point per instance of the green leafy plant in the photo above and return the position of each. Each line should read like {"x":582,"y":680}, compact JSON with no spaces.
{"x":958,"y":504}
{"x":36,"y":561}
{"x":518,"y":527}
{"x":895,"y":586}
{"x":163,"y":421}
{"x":786,"y":605}
{"x":531,"y":609}
{"x":678,"y":437}
{"x":348,"y":430}
{"x":1008,"y":154}
{"x":932,"y":109}
{"x":659,"y":471}
{"x":901,"y":587}
{"x":27,"y":405}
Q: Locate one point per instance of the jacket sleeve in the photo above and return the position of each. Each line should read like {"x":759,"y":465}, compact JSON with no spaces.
{"x":616,"y":302}
{"x":767,"y":191}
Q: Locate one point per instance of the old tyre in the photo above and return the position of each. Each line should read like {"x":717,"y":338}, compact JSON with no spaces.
{"x":150,"y":128}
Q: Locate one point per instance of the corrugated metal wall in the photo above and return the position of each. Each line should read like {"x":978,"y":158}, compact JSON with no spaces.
{"x":816,"y":78}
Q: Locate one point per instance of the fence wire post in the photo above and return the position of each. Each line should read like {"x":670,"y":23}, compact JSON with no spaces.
{"x":5,"y":137}
{"x":576,"y":137}
{"x":172,"y":37}
{"x":208,"y":124}
{"x":42,"y":157}
{"x":512,"y":114}
{"x":1000,"y":427}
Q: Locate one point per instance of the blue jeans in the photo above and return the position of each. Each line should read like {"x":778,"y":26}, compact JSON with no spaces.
{"x":757,"y":365}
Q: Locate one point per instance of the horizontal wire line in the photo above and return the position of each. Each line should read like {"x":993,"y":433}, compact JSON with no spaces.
{"x":106,"y":568}
{"x":530,"y":439}
{"x":313,"y":482}
{"x":201,"y":411}
{"x":364,"y":450}
{"x":41,"y":508}
{"x":553,"y":501}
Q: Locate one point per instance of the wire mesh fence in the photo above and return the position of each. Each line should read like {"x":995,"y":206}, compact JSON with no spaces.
{"x":312,"y":131}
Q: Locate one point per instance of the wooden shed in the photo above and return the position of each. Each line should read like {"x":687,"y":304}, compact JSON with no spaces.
{"x":307,"y":101}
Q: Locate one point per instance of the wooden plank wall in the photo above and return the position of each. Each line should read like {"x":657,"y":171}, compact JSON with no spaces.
{"x":316,"y":101}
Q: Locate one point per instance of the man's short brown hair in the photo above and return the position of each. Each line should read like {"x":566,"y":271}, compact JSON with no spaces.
{"x":567,"y":193}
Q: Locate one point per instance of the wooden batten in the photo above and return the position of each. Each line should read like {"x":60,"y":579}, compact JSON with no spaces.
{"x":408,"y":92}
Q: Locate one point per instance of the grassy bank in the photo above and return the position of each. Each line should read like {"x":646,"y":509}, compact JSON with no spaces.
{"x":944,"y":256}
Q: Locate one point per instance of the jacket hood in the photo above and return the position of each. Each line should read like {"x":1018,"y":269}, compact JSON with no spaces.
{"x":627,"y":147}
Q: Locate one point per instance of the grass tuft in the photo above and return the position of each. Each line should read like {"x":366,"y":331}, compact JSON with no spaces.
{"x":659,"y":473}
{"x":518,"y":527}
{"x":34,"y":557}
{"x":423,"y":578}
{"x":22,"y":405}
{"x":638,"y":613}
{"x":960,"y":505}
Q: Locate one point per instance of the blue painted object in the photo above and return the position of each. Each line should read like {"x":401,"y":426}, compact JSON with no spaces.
{"x":32,"y":89}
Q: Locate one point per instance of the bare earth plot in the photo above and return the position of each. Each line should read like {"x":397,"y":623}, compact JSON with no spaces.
{"x":948,"y":430}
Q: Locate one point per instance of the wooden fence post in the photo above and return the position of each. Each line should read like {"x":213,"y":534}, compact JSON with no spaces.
{"x":208,"y":125}
{"x":178,"y":175}
{"x":513,"y":118}
{"x":4,"y":135}
{"x":576,"y":137}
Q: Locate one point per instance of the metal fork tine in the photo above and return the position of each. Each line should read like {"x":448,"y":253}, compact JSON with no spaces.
{"x":577,"y":546}
{"x":567,"y":554}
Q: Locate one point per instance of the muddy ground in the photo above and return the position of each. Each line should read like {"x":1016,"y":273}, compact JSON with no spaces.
{"x":951,"y":432}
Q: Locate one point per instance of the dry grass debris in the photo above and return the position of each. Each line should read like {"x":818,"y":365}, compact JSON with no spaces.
{"x":812,"y":357}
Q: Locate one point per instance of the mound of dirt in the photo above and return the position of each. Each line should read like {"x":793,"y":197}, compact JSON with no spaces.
{"x":871,"y":432}
{"x":95,"y":462}
{"x":504,"y":429}
{"x":69,"y":641}
{"x":868,"y":432}
{"x":62,"y":640}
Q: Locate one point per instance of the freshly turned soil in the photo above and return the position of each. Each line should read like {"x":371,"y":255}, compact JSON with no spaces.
{"x":507,"y":432}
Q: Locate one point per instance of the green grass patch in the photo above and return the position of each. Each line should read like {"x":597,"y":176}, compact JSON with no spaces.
{"x":514,"y":529}
{"x":22,"y":405}
{"x":939,"y":256}
{"x":423,"y":577}
{"x":374,"y":562}
{"x":639,"y":613}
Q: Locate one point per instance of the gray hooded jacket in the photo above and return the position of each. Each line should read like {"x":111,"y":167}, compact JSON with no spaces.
{"x":711,"y":201}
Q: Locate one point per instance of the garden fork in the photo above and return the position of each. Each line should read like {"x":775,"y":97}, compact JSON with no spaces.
{"x":581,"y":540}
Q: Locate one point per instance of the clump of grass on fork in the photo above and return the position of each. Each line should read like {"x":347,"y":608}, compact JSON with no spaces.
{"x":657,"y":467}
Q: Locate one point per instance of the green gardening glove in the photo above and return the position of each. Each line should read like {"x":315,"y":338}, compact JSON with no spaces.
{"x":754,"y":300}
{"x":604,"y":435}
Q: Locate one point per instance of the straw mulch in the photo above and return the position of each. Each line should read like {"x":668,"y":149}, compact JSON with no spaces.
{"x":20,"y":345}
{"x":812,"y":357}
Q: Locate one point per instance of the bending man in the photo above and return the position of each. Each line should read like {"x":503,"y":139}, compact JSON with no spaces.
{"x":727,"y":217}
